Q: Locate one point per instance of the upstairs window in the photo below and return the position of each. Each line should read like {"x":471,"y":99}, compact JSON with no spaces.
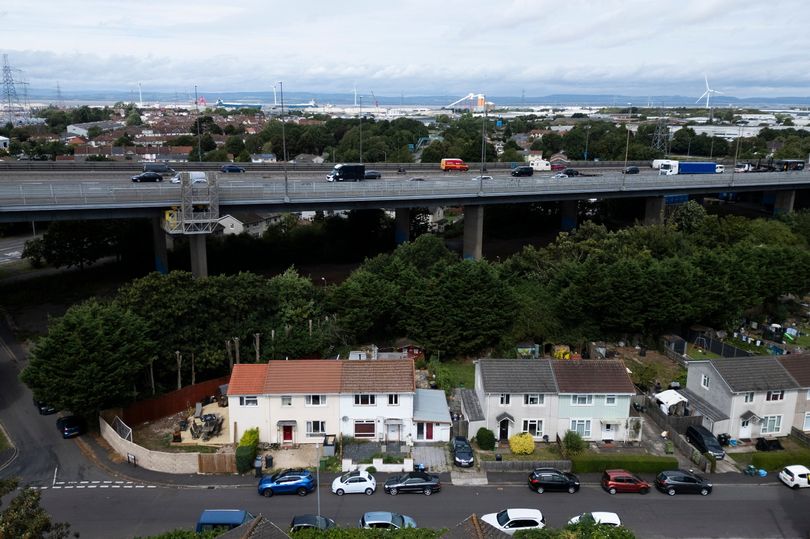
{"x":364,"y":399}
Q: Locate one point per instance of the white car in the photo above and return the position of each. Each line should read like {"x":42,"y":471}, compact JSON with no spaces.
{"x":194,"y":177}
{"x":356,"y":482}
{"x":795,"y":476}
{"x":600,"y":517}
{"x":560,"y":175}
{"x":482,"y":178}
{"x":510,"y":521}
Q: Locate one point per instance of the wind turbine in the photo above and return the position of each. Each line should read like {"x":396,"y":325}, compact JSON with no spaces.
{"x":708,"y":93}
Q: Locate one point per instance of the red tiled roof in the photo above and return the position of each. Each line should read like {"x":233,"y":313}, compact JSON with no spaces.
{"x":247,"y":379}
{"x":381,"y":376}
{"x":592,"y":376}
{"x":303,"y":376}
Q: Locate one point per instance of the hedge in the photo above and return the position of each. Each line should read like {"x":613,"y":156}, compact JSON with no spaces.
{"x":485,"y":439}
{"x":775,"y":460}
{"x":632,"y":463}
{"x":245,"y":455}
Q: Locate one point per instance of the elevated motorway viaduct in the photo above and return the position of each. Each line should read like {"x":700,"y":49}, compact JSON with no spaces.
{"x":194,"y":209}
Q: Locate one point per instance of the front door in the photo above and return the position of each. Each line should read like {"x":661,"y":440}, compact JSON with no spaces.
{"x":745,"y":428}
{"x":503,"y":433}
{"x":428,"y":431}
{"x":287,"y":434}
{"x":608,"y":432}
{"x":393,"y":433}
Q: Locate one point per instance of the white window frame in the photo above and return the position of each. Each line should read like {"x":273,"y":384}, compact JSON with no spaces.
{"x":808,"y":395}
{"x":610,"y":400}
{"x":249,"y":401}
{"x":586,"y":427}
{"x":777,"y":424}
{"x":538,"y":398}
{"x":538,"y":427}
{"x":321,"y":400}
{"x":393,"y":399}
{"x":806,"y":425}
{"x":505,"y":399}
{"x":775,"y":396}
{"x":360,"y":397}
{"x":749,"y":397}
{"x":365,"y":422}
{"x":286,"y":401}
{"x":316,"y":428}
{"x":587,"y":398}
{"x":704,"y":381}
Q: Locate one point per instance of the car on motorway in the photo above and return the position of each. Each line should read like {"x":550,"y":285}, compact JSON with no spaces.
{"x":522,"y":171}
{"x":215,"y":519}
{"x":462,"y":452}
{"x":232,"y":169}
{"x":289,"y":481}
{"x":194,"y":177}
{"x":795,"y":476}
{"x":614,"y":481}
{"x":604,"y":518}
{"x":311,"y":522}
{"x":70,"y":426}
{"x":559,"y":176}
{"x":553,"y":480}
{"x":372,"y":175}
{"x":571,"y":172}
{"x":356,"y":482}
{"x":148,"y":177}
{"x":451,"y":163}
{"x":675,"y":482}
{"x":481,"y":178}
{"x":422,"y":482}
{"x":386,"y":520}
{"x":510,"y":521}
{"x":44,"y":408}
{"x":630,"y":170}
{"x":416,"y":179}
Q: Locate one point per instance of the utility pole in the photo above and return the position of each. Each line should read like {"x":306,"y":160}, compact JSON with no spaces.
{"x":199,"y":137}
{"x":283,"y":145}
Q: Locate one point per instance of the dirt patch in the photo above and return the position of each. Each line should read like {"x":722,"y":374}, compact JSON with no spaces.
{"x":651,"y":367}
{"x":157,"y":434}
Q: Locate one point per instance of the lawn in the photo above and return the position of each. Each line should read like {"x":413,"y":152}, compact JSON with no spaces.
{"x":743,"y":459}
{"x":463,"y":373}
{"x":542,"y":451}
{"x":696,"y":352}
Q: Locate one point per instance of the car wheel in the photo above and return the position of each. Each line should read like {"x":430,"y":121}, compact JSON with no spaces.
{"x":795,"y":487}
{"x":611,"y":490}
{"x":369,"y":491}
{"x":268,"y":493}
{"x":393,"y":492}
{"x":428,"y":491}
{"x":704,"y":492}
{"x":340,"y":492}
{"x":644,"y":491}
{"x":571,"y":490}
{"x":540,"y":490}
{"x":671,"y":491}
{"x":301,"y":491}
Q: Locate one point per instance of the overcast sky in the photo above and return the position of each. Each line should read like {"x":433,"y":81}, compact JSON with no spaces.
{"x":748,"y":48}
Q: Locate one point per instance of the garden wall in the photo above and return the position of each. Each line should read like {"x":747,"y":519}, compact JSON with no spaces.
{"x":524,"y":465}
{"x":171,"y":403}
{"x":406,"y":466}
{"x":176,"y":463}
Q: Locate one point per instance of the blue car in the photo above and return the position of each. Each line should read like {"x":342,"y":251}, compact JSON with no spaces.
{"x":70,"y":426}
{"x":291,"y":481}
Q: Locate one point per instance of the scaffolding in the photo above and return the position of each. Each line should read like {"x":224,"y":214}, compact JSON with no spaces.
{"x":199,"y":207}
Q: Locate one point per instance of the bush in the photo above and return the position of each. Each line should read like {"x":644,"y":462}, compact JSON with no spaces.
{"x":371,"y":469}
{"x":245,"y":455}
{"x":250,"y":438}
{"x":774,"y":460}
{"x":485,"y":439}
{"x":522,"y":444}
{"x":573,"y":444}
{"x":632,"y":463}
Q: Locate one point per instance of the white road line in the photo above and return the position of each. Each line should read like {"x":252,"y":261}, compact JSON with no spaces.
{"x":55,"y":487}
{"x":107,"y":482}
{"x":139,"y":486}
{"x":127,"y":486}
{"x":116,"y":486}
{"x":91,"y":486}
{"x":54,"y":475}
{"x":68,"y":486}
{"x":95,"y":482}
{"x":80,"y":486}
{"x":151,"y":486}
{"x":84,"y":482}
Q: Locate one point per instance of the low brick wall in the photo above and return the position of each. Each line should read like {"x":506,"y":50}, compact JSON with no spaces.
{"x":406,"y":466}
{"x":524,"y":465}
{"x":158,"y":461}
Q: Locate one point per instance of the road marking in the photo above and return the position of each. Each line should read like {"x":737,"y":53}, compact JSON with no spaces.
{"x":68,"y":486}
{"x":116,"y":486}
{"x":105,"y":486}
{"x":80,"y":486}
{"x":84,"y":482}
{"x":91,"y":486}
{"x":55,"y":487}
{"x":54,"y":475}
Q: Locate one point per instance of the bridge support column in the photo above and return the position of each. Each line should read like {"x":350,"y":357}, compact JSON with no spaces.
{"x":159,"y":246}
{"x":783,"y":203}
{"x":199,"y":260}
{"x":653,"y":210}
{"x":473,"y":232}
{"x":402,"y":225}
{"x":568,"y":215}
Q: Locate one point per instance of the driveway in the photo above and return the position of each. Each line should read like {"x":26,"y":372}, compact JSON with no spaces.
{"x":434,"y":457}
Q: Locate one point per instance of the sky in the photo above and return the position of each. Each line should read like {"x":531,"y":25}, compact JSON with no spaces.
{"x":746,"y":48}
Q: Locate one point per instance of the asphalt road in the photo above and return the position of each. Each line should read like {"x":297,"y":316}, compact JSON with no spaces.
{"x":11,"y":248}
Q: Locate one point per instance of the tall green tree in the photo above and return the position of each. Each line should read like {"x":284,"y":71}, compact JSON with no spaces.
{"x":24,"y":518}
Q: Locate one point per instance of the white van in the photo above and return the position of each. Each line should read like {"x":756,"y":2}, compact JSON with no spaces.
{"x":719,"y":169}
{"x":193,"y":177}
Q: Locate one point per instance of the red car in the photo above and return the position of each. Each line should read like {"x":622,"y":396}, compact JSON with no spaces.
{"x":615,"y":481}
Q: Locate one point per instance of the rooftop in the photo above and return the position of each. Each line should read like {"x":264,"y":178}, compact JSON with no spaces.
{"x":592,"y":376}
{"x":762,"y":373}
{"x":517,"y":376}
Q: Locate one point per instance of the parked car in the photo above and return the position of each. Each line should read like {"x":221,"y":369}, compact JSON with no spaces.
{"x":682,"y":482}
{"x":70,"y":426}
{"x":311,"y":522}
{"x":356,"y":482}
{"x":386,"y":520}
{"x":372,"y":175}
{"x":422,"y":482}
{"x":232,"y":168}
{"x":290,"y":481}
{"x":604,"y":518}
{"x":510,"y":521}
{"x":44,"y":408}
{"x":615,"y":481}
{"x":148,"y":177}
{"x":631,"y":170}
{"x":702,"y":438}
{"x":553,"y":480}
{"x":214,"y":519}
{"x":522,"y":171}
{"x":795,"y":476}
{"x":462,"y":452}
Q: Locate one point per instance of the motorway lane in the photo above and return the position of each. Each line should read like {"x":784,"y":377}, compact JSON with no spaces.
{"x":11,"y":248}
{"x":760,"y":511}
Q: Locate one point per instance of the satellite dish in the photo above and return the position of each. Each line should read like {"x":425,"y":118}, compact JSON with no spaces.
{"x":345,"y":418}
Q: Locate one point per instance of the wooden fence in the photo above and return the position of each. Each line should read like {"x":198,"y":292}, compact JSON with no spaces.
{"x":171,"y":403}
{"x":672,"y":423}
{"x":217,"y":463}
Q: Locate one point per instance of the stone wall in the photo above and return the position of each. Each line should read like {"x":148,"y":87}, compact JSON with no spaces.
{"x":177,"y":463}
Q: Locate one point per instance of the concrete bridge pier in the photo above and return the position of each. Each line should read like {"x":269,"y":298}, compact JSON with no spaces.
{"x":473,"y":232}
{"x":568,"y":215}
{"x":402,"y":225}
{"x":783,"y":203}
{"x":653,"y":210}
{"x":199,"y":260}
{"x":159,"y":245}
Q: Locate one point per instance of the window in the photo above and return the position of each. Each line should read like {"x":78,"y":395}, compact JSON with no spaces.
{"x":808,"y":394}
{"x":581,"y":427}
{"x":775,"y":395}
{"x":749,"y":397}
{"x":365,"y":399}
{"x":610,"y":400}
{"x":316,"y":428}
{"x":771,"y":424}
{"x":704,"y":381}
{"x":393,"y":399}
{"x":316,"y":400}
{"x":286,"y":400}
{"x":533,"y":427}
{"x":533,"y":399}
{"x":249,"y":401}
{"x":364,"y":429}
{"x":581,"y":400}
{"x":504,"y":399}
{"x":806,"y":421}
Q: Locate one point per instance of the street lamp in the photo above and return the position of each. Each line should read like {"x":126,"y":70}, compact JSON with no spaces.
{"x":626,"y":151}
{"x":283,"y":142}
{"x":361,"y":130}
{"x":483,"y":149}
{"x":318,"y":477}
{"x":587,"y":135}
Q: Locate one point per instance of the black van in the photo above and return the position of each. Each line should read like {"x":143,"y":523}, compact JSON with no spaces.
{"x":522,"y":171}
{"x":702,"y":438}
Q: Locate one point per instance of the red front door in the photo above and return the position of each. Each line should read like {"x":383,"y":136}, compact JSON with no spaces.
{"x":286,"y":435}
{"x":428,"y":431}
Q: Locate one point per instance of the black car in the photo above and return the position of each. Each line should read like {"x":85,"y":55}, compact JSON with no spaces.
{"x":550,"y":479}
{"x":631,"y":170}
{"x":310,"y":522}
{"x":44,"y":408}
{"x":372,"y":175}
{"x":232,"y":168}
{"x":422,"y":482}
{"x":148,"y":177}
{"x":682,"y":482}
{"x":462,"y":452}
{"x":70,"y":426}
{"x":522,"y":171}
{"x":571,"y":172}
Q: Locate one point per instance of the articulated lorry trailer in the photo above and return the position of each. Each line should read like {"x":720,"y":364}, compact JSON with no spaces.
{"x":687,"y":167}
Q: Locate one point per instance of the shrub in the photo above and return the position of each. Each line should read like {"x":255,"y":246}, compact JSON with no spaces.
{"x":371,"y":469}
{"x":245,"y":455}
{"x":250,"y":438}
{"x":633,"y":463}
{"x":485,"y":439}
{"x":775,"y":460}
{"x":573,"y":444}
{"x":522,"y":444}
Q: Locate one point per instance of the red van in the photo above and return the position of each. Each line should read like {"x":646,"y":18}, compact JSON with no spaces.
{"x":453,"y":164}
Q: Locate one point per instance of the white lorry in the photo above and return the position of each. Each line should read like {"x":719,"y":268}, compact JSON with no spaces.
{"x":540,"y":165}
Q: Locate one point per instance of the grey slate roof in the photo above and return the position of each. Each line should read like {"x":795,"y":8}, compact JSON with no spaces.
{"x":763,"y":373}
{"x":517,"y":376}
{"x":431,"y":405}
{"x":471,"y":405}
{"x":258,"y":528}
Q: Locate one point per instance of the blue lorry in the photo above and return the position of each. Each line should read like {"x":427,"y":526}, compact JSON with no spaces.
{"x":671,"y":168}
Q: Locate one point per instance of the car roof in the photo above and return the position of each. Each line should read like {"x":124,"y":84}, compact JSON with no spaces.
{"x":313,"y":520}
{"x":223,"y":516}
{"x":524,"y":513}
{"x":378,"y":516}
{"x":797,"y":468}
